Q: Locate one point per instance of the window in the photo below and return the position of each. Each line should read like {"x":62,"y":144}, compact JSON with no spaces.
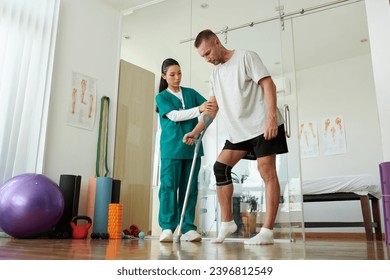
{"x":27,"y":39}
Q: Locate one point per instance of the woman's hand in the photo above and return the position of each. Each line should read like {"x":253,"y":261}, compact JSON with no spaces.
{"x":208,"y":106}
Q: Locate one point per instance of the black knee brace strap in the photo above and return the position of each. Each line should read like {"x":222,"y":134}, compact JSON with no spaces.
{"x":223,"y":174}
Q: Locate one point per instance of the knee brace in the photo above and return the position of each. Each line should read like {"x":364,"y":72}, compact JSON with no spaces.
{"x":223,"y":174}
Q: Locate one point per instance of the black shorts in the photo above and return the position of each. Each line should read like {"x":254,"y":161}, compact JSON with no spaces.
{"x":259,"y":147}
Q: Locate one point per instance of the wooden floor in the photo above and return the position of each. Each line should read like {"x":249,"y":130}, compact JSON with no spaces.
{"x":152,"y":249}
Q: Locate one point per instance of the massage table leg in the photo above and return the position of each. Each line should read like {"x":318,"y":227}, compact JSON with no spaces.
{"x":377,"y":219}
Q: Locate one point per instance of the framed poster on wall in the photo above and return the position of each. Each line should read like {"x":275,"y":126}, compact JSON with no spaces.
{"x":333,"y":129}
{"x":82,"y":101}
{"x":308,"y":139}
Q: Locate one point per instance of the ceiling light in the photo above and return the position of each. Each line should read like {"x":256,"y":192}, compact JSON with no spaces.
{"x":147,"y":4}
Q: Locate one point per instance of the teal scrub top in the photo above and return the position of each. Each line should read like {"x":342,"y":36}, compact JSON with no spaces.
{"x":172,"y":133}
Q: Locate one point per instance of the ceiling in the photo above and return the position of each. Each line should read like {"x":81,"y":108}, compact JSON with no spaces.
{"x":322,"y":33}
{"x":122,"y":5}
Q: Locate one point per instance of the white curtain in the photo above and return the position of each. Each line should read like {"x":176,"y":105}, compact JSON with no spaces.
{"x":27,"y":39}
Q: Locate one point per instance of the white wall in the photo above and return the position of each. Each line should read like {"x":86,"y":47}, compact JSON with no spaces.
{"x":87,"y":42}
{"x":343,"y":88}
{"x":378,"y":14}
{"x":148,"y":30}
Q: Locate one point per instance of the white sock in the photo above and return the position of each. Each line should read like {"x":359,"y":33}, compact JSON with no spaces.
{"x":264,"y":237}
{"x":227,"y":228}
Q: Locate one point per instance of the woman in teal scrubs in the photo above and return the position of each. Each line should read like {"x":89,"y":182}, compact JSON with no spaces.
{"x":179,"y":108}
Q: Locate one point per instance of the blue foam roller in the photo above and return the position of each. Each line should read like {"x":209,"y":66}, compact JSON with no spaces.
{"x":102,"y":201}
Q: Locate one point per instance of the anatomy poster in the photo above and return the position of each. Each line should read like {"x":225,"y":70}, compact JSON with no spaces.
{"x":308,"y":139}
{"x":82,"y":101}
{"x":333,"y":129}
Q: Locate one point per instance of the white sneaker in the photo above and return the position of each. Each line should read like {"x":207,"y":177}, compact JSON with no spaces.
{"x":166,"y":236}
{"x":191,"y":236}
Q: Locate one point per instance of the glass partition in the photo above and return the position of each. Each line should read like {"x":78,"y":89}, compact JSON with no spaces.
{"x":326,"y":56}
{"x":293,"y":38}
{"x":261,"y":31}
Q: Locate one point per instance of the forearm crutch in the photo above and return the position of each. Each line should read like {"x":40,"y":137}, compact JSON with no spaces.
{"x":207,"y":120}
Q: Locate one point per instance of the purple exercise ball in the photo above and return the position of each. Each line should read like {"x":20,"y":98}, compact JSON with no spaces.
{"x":30,"y":204}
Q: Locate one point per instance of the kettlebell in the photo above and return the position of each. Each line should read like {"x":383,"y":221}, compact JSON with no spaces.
{"x":81,"y":231}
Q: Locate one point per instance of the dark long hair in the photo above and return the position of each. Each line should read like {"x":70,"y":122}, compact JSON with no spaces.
{"x":164,"y":67}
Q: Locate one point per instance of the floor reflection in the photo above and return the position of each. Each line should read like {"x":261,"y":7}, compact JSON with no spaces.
{"x":152,"y":249}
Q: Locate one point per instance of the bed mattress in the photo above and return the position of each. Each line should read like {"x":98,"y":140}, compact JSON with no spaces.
{"x":360,"y":184}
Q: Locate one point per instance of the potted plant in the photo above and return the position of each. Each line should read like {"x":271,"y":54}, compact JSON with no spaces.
{"x":249,"y":202}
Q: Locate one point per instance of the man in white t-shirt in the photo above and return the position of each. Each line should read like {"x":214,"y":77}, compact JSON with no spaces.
{"x":246,"y":96}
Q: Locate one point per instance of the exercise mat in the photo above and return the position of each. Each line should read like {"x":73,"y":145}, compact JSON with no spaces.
{"x":91,"y":193}
{"x":116,"y":191}
{"x":102,"y":201}
{"x":70,"y":188}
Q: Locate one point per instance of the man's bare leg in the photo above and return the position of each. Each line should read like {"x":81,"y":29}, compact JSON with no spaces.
{"x":267,"y":169}
{"x":225,"y":194}
{"x":228,"y":226}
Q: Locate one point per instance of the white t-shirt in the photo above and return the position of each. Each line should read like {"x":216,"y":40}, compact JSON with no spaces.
{"x":240,"y":99}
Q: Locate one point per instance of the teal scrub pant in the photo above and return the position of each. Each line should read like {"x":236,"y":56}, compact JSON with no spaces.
{"x":174,"y":178}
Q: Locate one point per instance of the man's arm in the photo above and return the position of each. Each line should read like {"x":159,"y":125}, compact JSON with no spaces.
{"x":271,"y":124}
{"x":211,"y":112}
